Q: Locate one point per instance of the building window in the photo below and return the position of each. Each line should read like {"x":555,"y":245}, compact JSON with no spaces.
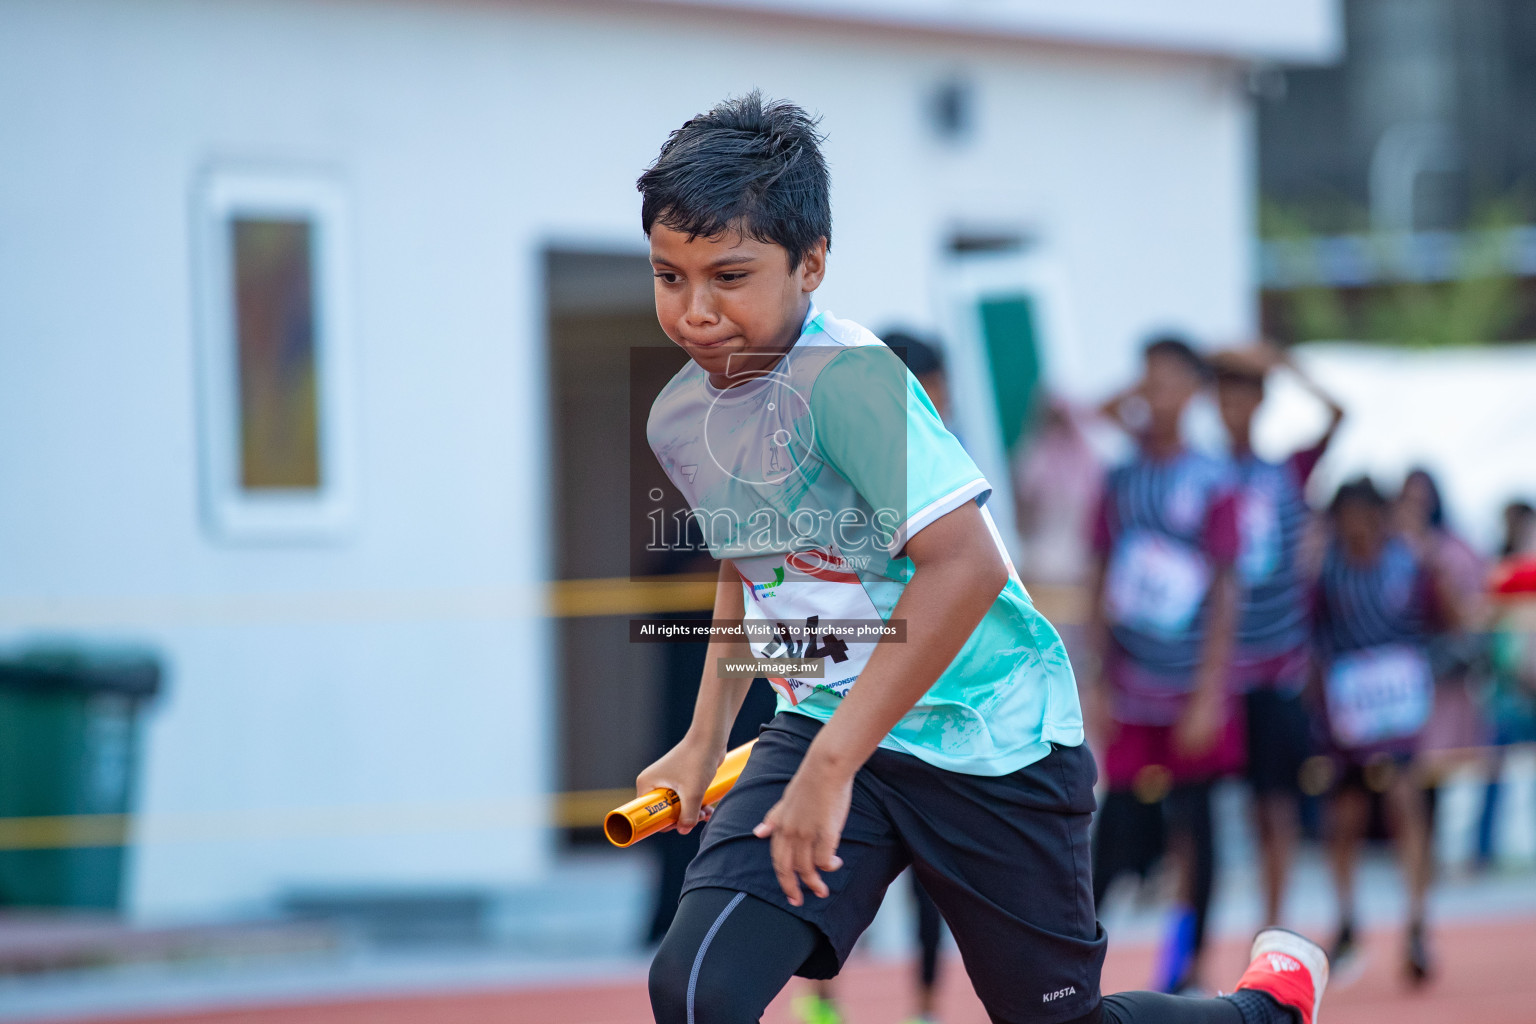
{"x":274,"y":338}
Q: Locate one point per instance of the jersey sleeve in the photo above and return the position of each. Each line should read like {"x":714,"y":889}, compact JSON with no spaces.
{"x":1303,"y":462}
{"x":874,"y":426}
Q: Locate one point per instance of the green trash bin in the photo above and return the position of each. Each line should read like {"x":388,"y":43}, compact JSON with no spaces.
{"x":69,"y":725}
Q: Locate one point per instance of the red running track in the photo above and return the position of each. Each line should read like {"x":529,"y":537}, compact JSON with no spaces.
{"x":1487,"y":975}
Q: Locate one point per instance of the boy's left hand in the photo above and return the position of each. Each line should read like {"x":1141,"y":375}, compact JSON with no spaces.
{"x":804,"y":828}
{"x":1199,"y":728}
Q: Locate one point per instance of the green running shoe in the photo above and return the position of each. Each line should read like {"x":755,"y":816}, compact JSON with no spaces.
{"x":813,"y":1009}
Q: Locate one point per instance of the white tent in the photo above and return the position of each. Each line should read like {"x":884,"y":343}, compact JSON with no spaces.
{"x":1468,"y":415}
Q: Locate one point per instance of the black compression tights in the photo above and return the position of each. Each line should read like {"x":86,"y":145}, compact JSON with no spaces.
{"x":728,"y":954}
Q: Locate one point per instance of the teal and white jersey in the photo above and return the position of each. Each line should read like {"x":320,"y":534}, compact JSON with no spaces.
{"x":811,"y":479}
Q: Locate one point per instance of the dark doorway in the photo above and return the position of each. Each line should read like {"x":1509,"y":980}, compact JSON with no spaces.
{"x":600,"y":308}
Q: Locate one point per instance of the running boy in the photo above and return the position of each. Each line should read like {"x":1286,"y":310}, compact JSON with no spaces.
{"x":1164,"y":608}
{"x":829,"y":490}
{"x":1273,"y":656}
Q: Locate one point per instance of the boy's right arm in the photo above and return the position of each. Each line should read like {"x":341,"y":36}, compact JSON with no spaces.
{"x":1120,"y":410}
{"x":1335,"y":410}
{"x":687,"y":768}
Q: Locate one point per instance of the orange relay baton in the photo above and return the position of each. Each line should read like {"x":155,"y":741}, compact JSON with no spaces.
{"x":657,"y":810}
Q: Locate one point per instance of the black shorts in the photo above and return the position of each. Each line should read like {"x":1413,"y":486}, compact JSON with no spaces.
{"x":1373,"y":770}
{"x":1005,"y":859}
{"x":1279,"y":740}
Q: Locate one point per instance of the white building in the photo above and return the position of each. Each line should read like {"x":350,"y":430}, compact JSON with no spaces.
{"x":364,"y":686}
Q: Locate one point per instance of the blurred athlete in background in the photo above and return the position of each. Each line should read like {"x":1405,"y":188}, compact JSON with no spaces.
{"x":1377,"y":604}
{"x":1270,"y":667}
{"x":1164,"y":609}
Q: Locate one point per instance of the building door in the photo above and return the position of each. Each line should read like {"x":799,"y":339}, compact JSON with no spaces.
{"x":600,"y":309}
{"x":1007,"y":333}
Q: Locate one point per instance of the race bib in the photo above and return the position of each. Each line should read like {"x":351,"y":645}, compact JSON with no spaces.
{"x":1155,"y":584}
{"x":1382,"y":693}
{"x":791,"y":596}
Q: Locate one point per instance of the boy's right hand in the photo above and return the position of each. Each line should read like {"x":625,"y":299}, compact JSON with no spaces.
{"x":687,"y":769}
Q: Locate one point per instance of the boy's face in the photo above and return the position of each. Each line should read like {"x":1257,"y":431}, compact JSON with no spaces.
{"x":1362,"y":529}
{"x":1238,"y":399}
{"x":1520,"y":527}
{"x":1414,"y":504}
{"x":1168,"y":387}
{"x":726,"y":299}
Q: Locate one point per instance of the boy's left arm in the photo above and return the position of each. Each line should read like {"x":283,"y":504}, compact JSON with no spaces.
{"x":1200,"y":725}
{"x":1335,"y":410}
{"x":958,"y":574}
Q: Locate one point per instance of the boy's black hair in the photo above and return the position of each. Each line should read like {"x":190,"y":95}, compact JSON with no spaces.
{"x":921,"y":357}
{"x":1362,"y":490}
{"x":1517,"y":513}
{"x":750,"y":164}
{"x":1436,"y":503}
{"x":1228,"y":375}
{"x":1175,"y":347}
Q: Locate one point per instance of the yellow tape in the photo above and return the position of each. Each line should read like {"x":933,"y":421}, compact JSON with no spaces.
{"x":562,"y":599}
{"x":578,"y":809}
{"x":614,"y":595}
{"x":63,"y":832}
{"x":618,"y":596}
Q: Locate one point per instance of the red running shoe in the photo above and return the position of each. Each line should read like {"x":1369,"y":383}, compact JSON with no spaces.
{"x":1291,"y":969}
